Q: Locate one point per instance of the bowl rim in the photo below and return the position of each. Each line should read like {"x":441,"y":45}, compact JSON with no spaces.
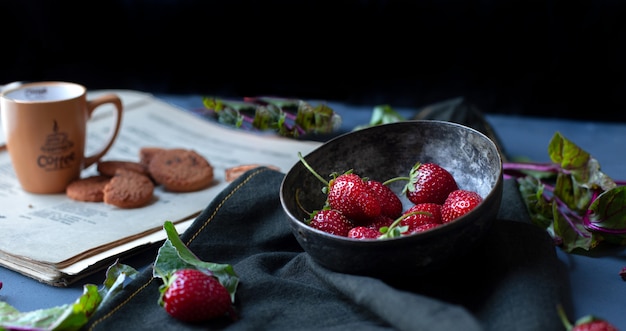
{"x":497,"y":188}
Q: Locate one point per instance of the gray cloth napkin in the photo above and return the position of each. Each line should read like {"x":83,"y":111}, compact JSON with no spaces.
{"x":512,"y":281}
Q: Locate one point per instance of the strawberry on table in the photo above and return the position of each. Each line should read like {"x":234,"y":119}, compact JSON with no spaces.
{"x":331,"y":221}
{"x":585,"y":323}
{"x":191,"y":295}
{"x":429,"y":182}
{"x":458,"y":203}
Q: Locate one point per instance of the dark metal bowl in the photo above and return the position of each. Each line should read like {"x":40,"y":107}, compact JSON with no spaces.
{"x":387,"y":151}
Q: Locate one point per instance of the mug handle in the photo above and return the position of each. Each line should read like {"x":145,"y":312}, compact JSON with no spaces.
{"x":91,"y":106}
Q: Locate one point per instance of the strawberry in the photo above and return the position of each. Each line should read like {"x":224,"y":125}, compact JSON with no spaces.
{"x":458,"y":203}
{"x":378,"y":222}
{"x":349,"y":194}
{"x":390,"y":204}
{"x":432,"y":215}
{"x":192,"y":295}
{"x":423,"y":227}
{"x":362,"y":232}
{"x":586,"y":323}
{"x":597,"y":325}
{"x":331,"y":221}
{"x":429,"y":182}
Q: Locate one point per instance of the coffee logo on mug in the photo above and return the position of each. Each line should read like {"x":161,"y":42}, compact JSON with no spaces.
{"x":36,"y":93}
{"x":57,"y":151}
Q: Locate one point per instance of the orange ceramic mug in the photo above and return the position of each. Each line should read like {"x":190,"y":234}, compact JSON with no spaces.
{"x":45,"y":124}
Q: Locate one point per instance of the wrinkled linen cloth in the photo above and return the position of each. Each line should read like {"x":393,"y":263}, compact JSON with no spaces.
{"x":511,"y":281}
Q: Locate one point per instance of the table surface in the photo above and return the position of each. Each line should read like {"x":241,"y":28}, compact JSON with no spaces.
{"x":594,"y":277}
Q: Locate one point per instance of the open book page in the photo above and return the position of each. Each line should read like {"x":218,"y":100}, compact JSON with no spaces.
{"x":55,"y":230}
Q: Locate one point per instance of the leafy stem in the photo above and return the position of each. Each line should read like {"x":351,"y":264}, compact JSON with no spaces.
{"x":578,"y":204}
{"x":286,"y":117}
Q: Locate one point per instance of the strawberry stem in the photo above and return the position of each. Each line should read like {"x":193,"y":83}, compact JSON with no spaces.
{"x":566,"y":323}
{"x":395,"y":179}
{"x":391,"y":232}
{"x":300,"y":204}
{"x":306,"y":165}
{"x":411,"y":179}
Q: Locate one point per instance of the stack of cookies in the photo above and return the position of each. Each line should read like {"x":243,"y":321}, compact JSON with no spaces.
{"x":128,"y":184}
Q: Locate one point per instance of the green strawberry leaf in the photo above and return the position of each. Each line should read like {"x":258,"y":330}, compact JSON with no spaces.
{"x":64,"y":317}
{"x":411,"y":179}
{"x":70,"y":316}
{"x":174,"y":255}
{"x":116,"y":276}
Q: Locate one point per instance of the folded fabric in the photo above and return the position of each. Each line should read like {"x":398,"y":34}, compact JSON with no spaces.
{"x":512,"y":281}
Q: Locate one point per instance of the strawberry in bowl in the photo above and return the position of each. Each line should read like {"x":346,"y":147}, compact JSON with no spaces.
{"x":446,"y":177}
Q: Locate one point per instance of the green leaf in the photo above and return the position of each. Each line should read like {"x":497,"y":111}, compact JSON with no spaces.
{"x":608,"y":212}
{"x":566,"y":153}
{"x":231,"y":117}
{"x":573,"y":234}
{"x":584,"y":168}
{"x":174,"y":255}
{"x":320,"y":119}
{"x":574,"y":195}
{"x":268,"y":118}
{"x":116,"y":276}
{"x":539,"y":209}
{"x":287,"y":117}
{"x":411,"y":179}
{"x":382,"y":114}
{"x":65,"y":317}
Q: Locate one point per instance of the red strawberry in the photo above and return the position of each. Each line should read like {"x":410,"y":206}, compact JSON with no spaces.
{"x":350,"y":195}
{"x":432,"y":215}
{"x":597,"y":325}
{"x":378,"y":222}
{"x":191,"y":295}
{"x":390,"y":204}
{"x":458,"y":203}
{"x":423,"y":227}
{"x":331,"y":221}
{"x":586,"y":323}
{"x":362,"y":232}
{"x":429,"y":182}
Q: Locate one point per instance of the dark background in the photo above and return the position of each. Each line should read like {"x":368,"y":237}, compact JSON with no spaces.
{"x":542,"y":58}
